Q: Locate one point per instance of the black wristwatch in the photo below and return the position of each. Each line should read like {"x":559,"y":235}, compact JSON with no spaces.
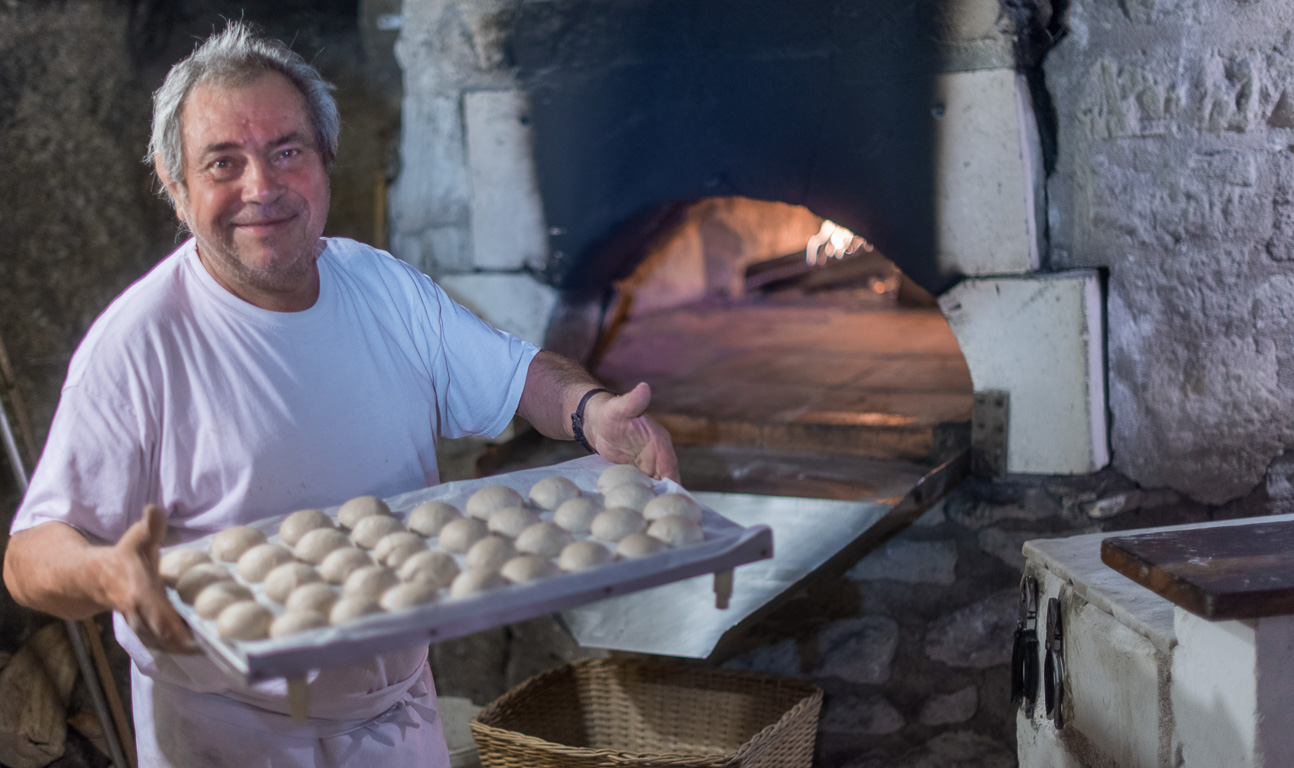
{"x":577,"y":419}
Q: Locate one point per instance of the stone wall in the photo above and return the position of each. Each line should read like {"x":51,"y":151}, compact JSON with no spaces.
{"x":1174,"y":170}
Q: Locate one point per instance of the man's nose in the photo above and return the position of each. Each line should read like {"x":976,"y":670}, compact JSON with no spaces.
{"x":261,"y":181}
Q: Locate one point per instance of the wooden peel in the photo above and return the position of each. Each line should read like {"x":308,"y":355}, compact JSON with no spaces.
{"x":85,"y":633}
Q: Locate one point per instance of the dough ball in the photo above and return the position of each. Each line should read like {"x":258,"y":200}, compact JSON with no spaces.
{"x":247,"y":620}
{"x":583,"y":556}
{"x":231,"y":543}
{"x":349,"y":609}
{"x":622,"y":474}
{"x":312,"y":597}
{"x":369,"y":582}
{"x":550,"y":492}
{"x":219,"y":596}
{"x":577,"y":515}
{"x":512,"y":521}
{"x":341,"y":562}
{"x":633,"y":497}
{"x":359,"y":508}
{"x":369,"y":531}
{"x":637,"y":545}
{"x":315,"y":545}
{"x":473,"y":582}
{"x":546,"y":539}
{"x":459,"y":535}
{"x":395,"y":548}
{"x":257,"y":562}
{"x":487,"y":501}
{"x":428,"y":518}
{"x":301,"y":522}
{"x":435,"y":568}
{"x":296,"y":622}
{"x":409,"y":595}
{"x":175,"y":563}
{"x":489,"y":554}
{"x":617,"y":523}
{"x":527,"y":568}
{"x":199,"y":577}
{"x":286,"y":578}
{"x":678,"y":504}
{"x":676,"y":531}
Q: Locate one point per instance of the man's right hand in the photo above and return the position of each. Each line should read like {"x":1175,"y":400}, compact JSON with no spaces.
{"x":52,"y":568}
{"x":135,"y":587}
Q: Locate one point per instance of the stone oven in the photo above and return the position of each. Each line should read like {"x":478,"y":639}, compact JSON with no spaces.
{"x":547,"y":146}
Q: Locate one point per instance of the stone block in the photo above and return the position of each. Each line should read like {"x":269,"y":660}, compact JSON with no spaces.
{"x":513,"y":303}
{"x":956,"y":707}
{"x":977,"y":636}
{"x":507,"y":215}
{"x":1006,"y":546}
{"x":989,"y":180}
{"x":1113,"y":686}
{"x":780,"y":658}
{"x":1040,"y":340}
{"x":858,"y":650}
{"x":870,"y":715}
{"x":1123,"y":99}
{"x":912,"y":562}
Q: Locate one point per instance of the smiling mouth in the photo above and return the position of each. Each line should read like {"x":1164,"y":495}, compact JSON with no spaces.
{"x":263,"y":225}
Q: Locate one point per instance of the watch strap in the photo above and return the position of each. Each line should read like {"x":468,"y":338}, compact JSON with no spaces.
{"x":577,"y":419}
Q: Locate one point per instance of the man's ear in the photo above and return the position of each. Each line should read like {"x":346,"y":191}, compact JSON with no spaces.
{"x":172,"y":188}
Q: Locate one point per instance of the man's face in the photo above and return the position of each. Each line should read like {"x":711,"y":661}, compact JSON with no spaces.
{"x":256,"y":191}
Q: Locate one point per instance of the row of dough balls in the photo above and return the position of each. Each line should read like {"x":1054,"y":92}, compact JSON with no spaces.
{"x":514,"y":546}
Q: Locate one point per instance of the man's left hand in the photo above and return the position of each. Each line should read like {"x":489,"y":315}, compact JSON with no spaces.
{"x":619,"y":429}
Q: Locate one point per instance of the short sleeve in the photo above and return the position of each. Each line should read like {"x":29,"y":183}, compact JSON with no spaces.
{"x":92,"y":473}
{"x":480,"y":371}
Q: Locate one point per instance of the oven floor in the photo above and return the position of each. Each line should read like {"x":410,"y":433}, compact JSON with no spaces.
{"x":878,"y":384}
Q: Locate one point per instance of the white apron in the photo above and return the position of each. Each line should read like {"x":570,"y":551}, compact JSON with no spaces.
{"x":394,"y":727}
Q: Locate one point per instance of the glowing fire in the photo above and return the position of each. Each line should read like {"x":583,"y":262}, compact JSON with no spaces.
{"x":832,"y":242}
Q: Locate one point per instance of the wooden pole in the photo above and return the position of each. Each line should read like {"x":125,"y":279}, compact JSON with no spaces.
{"x":99,"y":674}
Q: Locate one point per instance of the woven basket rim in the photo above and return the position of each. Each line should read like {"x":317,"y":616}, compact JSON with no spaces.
{"x":811,"y":696}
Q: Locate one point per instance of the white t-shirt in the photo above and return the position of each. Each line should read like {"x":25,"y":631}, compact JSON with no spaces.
{"x":183,"y":395}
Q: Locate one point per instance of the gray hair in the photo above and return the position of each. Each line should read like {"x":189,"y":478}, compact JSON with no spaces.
{"x":234,"y":57}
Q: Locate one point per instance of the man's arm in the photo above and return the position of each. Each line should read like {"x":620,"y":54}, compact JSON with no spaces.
{"x":615,"y":425}
{"x":52,"y":568}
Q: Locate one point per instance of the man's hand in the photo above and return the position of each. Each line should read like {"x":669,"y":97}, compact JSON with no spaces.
{"x":615,"y":425}
{"x":52,"y":568}
{"x":619,"y":429}
{"x":135,"y":587}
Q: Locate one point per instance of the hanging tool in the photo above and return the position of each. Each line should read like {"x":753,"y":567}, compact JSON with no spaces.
{"x":1053,"y":673}
{"x":1024,"y":654}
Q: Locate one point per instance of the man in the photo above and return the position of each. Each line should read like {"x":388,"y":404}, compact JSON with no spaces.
{"x":259,"y":369}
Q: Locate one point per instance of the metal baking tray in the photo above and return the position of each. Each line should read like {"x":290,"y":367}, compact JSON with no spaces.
{"x":727,"y":546}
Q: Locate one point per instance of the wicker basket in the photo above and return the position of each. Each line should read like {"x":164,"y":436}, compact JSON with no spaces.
{"x":649,"y":714}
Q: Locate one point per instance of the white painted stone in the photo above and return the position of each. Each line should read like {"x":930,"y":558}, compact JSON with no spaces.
{"x":1214,"y":692}
{"x":1040,"y":339}
{"x":989,"y":176}
{"x":507,"y":216}
{"x":1038,"y":745}
{"x":513,"y":303}
{"x":1113,"y":686}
